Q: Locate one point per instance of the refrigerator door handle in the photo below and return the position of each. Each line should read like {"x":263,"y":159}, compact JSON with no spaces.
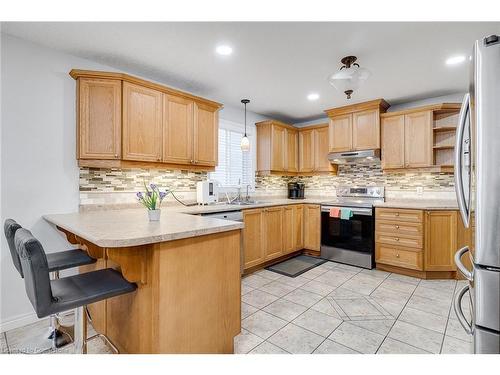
{"x":459,"y":188}
{"x":457,"y":305}
{"x":458,"y":262}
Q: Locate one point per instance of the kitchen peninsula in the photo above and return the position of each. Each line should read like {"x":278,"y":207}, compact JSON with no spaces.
{"x":187,"y":269}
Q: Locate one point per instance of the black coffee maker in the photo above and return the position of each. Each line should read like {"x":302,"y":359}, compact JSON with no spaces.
{"x":296,"y":190}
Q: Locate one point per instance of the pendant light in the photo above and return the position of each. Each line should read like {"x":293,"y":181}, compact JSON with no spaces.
{"x":245,"y":142}
{"x":350,"y":76}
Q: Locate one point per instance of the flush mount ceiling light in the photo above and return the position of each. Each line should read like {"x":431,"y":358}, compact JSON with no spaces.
{"x":245,"y":142}
{"x":454,"y":60}
{"x":224,"y":50}
{"x":350,"y":76}
{"x":313,"y":96}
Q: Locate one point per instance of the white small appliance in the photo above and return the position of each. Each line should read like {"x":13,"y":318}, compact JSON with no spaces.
{"x":206,"y":192}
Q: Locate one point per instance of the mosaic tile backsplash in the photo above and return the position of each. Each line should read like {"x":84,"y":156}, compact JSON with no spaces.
{"x":117,"y":180}
{"x":369,"y":174}
{"x":111,"y":180}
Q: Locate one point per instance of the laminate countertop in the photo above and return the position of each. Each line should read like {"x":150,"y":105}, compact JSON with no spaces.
{"x":420,"y":204}
{"x":131,"y":227}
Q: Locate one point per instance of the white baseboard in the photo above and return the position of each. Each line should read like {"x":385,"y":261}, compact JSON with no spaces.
{"x":18,"y":321}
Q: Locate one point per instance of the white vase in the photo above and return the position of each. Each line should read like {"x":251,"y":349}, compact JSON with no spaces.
{"x":154,"y":215}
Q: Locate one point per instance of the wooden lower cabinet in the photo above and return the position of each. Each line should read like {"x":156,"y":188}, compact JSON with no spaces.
{"x":253,"y":253}
{"x":312,"y":227}
{"x":440,"y":240}
{"x":424,"y":241}
{"x":273,"y":232}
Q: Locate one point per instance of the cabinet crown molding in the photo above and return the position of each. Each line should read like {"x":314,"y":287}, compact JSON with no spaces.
{"x":441,"y":107}
{"x":380,"y":104}
{"x":275,"y":122}
{"x":79,"y":73}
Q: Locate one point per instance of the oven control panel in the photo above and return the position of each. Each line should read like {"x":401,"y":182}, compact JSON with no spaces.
{"x":365,"y":191}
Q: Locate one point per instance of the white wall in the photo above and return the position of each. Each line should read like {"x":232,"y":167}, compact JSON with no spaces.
{"x":39,"y":173}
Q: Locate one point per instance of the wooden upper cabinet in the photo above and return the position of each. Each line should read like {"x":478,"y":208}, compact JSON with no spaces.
{"x":142,"y":123}
{"x":278,"y":147}
{"x":366,"y":130}
{"x":292,"y":151}
{"x":418,"y":139}
{"x":393,"y":142}
{"x":177,"y":130}
{"x":206,"y":134}
{"x":321,"y":162}
{"x":253,"y":242}
{"x":340,"y":133}
{"x":440,"y":240}
{"x":306,"y":151}
{"x":99,"y":118}
{"x":273,"y":237}
{"x":125,"y":121}
{"x":356,"y":127}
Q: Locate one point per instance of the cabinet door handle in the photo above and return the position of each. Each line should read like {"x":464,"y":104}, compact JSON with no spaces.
{"x":158,"y":159}
{"x":191,"y":161}
{"x":397,"y":214}
{"x":397,"y":255}
{"x":116,"y":156}
{"x":397,"y":226}
{"x":397,"y":239}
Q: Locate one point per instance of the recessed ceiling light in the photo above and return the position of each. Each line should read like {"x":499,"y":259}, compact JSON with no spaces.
{"x":313,"y":96}
{"x":224,"y":50}
{"x":455,"y":60}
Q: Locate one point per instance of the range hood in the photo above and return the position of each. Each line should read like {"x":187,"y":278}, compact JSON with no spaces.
{"x":354,"y":157}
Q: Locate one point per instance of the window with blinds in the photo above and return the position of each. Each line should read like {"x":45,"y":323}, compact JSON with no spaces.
{"x":235,"y":166}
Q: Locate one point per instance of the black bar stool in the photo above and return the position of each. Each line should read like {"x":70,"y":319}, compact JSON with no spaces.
{"x":56,"y":262}
{"x":73,"y":292}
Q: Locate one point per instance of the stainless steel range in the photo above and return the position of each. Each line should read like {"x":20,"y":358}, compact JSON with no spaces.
{"x":351,"y":240}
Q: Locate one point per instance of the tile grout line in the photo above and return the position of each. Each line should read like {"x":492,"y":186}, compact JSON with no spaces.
{"x":396,"y":318}
{"x":448,"y":319}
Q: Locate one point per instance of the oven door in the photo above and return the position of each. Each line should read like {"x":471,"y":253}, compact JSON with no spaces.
{"x":356,"y":234}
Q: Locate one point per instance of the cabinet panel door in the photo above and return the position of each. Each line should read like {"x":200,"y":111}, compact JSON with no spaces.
{"x":340,"y":133}
{"x":440,"y":240}
{"x":393,"y":142}
{"x":306,"y":151}
{"x":366,"y":130}
{"x":298,"y":228}
{"x":206,"y":135}
{"x":99,"y":118}
{"x":177,"y":130}
{"x":321,"y":162}
{"x":288,"y":229}
{"x":292,"y":151}
{"x":277,"y":148}
{"x":142,"y":123}
{"x":253,"y":242}
{"x":418,"y":139}
{"x":312,"y":227}
{"x":273,"y":224}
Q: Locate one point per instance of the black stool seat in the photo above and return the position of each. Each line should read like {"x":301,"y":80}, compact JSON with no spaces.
{"x":87,"y":288}
{"x":55,"y":261}
{"x":68,"y":259}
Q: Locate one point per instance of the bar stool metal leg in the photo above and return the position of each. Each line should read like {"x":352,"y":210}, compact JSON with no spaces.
{"x":80,"y":330}
{"x":60,"y":336}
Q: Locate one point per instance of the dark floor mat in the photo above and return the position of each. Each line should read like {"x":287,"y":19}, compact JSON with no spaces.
{"x":296,"y":266}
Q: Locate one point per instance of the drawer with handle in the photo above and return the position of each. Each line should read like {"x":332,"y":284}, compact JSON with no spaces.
{"x":396,"y":228}
{"x":399,"y":256}
{"x":394,"y":239}
{"x":399,"y":214}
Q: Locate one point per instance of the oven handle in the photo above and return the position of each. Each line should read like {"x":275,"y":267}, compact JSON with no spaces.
{"x":355,"y":211}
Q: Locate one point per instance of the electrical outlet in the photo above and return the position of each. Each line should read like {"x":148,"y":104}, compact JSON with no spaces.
{"x":420,"y":190}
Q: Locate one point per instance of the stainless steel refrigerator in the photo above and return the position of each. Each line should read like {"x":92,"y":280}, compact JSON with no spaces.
{"x":477,"y":185}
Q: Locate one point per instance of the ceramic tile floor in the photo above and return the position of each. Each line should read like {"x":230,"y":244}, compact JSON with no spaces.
{"x":331,"y":309}
{"x":339,"y":309}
